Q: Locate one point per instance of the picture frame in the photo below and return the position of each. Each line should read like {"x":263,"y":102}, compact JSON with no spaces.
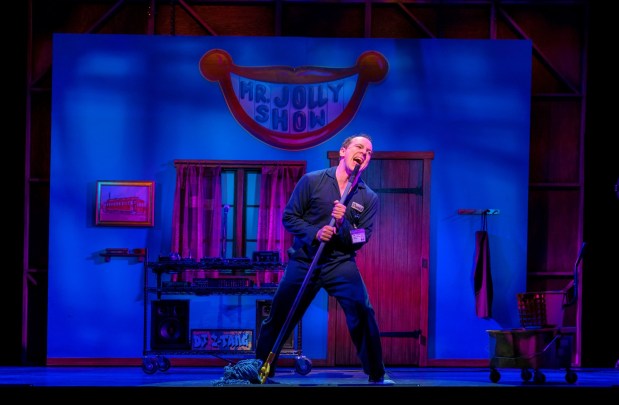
{"x":125,"y":203}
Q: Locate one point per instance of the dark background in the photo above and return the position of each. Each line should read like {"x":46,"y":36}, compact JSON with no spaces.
{"x":601,"y":226}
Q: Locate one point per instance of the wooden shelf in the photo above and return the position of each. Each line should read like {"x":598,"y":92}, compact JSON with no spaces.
{"x":141,"y":255}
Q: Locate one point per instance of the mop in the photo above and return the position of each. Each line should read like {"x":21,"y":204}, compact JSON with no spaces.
{"x":254,"y":371}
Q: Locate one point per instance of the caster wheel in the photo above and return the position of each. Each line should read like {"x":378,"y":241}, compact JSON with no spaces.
{"x":526,"y":374}
{"x":571,"y":377}
{"x":495,"y":376}
{"x":163,"y":363}
{"x":539,"y":377}
{"x":303,"y":365}
{"x":149,"y":365}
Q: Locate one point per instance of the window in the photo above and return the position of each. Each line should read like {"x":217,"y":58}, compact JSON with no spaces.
{"x":240,"y":220}
{"x":231,"y":208}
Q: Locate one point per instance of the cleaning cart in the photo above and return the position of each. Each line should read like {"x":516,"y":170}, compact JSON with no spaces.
{"x":539,"y":343}
{"x":530,"y":350}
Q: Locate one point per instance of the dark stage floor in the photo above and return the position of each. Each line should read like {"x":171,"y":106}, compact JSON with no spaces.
{"x":205,"y":384}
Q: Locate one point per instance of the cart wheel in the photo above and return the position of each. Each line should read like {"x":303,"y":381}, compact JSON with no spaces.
{"x":526,"y":374}
{"x":570,"y":376}
{"x":149,"y":365}
{"x":163,"y":363}
{"x":495,"y":376}
{"x":303,"y":365}
{"x":539,"y":377}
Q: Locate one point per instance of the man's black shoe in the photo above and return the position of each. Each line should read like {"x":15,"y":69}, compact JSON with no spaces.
{"x":380,"y":381}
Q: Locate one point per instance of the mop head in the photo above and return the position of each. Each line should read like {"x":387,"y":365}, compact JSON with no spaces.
{"x":243,"y":372}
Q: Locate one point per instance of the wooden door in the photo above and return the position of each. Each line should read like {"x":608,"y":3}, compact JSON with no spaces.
{"x":394,"y":263}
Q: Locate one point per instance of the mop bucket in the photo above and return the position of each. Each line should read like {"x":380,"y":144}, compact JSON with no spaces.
{"x":530,"y":350}
{"x":539,"y":342}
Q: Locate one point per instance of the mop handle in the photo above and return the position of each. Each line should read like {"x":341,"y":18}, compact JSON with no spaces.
{"x":266,"y":366}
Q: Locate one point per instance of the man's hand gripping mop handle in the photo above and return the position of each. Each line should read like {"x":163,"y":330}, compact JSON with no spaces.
{"x":266,"y":366}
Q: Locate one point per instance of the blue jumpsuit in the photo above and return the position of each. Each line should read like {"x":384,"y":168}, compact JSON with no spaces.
{"x":309,"y":209}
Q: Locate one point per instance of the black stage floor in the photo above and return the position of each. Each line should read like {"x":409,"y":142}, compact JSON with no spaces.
{"x":204,"y":384}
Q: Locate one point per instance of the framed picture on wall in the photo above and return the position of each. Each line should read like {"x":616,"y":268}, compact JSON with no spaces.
{"x":125,"y":203}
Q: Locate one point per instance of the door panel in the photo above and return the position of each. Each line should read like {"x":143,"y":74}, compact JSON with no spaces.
{"x":394,"y":263}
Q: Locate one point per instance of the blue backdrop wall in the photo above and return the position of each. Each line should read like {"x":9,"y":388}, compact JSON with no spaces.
{"x":126,"y":106}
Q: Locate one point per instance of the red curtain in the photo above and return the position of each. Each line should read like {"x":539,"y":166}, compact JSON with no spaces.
{"x":196,"y":217}
{"x":277,"y":183}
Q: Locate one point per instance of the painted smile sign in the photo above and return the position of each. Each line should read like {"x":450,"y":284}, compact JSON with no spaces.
{"x":293,"y":108}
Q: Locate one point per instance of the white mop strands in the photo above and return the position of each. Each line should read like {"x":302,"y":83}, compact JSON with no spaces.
{"x":243,"y":372}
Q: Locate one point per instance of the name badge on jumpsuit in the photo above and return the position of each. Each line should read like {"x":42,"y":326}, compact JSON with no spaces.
{"x":358,"y":235}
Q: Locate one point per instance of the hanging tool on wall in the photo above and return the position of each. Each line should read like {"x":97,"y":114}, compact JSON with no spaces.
{"x":483,"y":276}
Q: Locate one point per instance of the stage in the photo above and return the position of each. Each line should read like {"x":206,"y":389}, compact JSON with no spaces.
{"x":208,"y":384}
